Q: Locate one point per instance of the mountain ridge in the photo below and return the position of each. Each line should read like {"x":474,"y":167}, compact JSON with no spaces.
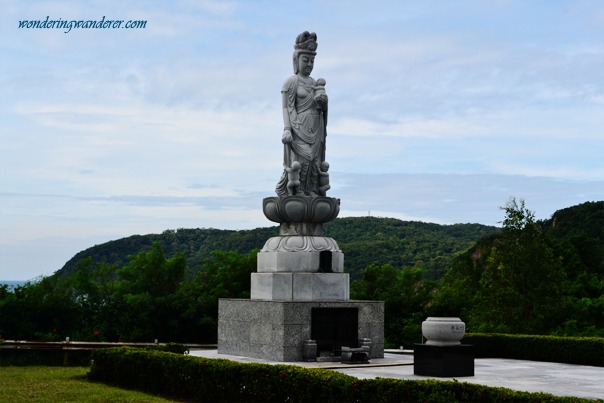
{"x":363,"y":240}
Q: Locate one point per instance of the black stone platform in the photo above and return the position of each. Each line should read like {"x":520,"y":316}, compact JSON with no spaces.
{"x":443,"y":361}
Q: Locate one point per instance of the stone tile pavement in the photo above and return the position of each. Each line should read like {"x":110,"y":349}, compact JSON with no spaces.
{"x":531,"y":376}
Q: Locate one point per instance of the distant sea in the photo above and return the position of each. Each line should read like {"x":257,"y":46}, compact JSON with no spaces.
{"x":12,"y":284}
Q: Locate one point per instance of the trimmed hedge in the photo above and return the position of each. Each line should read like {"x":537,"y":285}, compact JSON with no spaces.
{"x":176,"y":348}
{"x":73,"y":358}
{"x":568,"y":350}
{"x":51,"y":358}
{"x":219,"y":380}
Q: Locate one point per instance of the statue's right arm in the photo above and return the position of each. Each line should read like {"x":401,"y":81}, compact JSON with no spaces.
{"x":287,"y":135}
{"x":286,"y":118}
{"x":288,"y":100}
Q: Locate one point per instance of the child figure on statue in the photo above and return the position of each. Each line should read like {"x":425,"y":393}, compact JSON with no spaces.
{"x":293,"y":179}
{"x":324,"y":179}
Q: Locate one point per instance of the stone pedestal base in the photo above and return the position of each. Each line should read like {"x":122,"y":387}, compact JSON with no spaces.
{"x":310,"y":254}
{"x":277,"y":330}
{"x":443,"y":361}
{"x":300,"y":286}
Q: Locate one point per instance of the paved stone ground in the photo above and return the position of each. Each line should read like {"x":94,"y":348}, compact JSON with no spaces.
{"x":531,"y":376}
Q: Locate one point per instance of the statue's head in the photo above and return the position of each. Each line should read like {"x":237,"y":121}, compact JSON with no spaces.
{"x":306,"y":44}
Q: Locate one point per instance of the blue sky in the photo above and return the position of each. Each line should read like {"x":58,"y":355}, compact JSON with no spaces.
{"x":440,"y":111}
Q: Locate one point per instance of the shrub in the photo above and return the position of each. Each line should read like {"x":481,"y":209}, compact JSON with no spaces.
{"x":175,"y":348}
{"x":19,"y":357}
{"x":58,"y":356}
{"x":219,"y":380}
{"x":569,"y":350}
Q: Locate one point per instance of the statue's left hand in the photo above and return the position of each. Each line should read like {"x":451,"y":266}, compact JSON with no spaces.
{"x":321,"y":100}
{"x":287,"y":137}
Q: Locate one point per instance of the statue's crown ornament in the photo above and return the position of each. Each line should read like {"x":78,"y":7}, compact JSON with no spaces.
{"x":306,"y":41}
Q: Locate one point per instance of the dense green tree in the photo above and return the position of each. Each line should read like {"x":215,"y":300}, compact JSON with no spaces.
{"x":406,"y":295}
{"x":227,"y":274}
{"x":520,"y":290}
{"x":527,"y":279}
{"x":577,"y":234}
{"x":583,"y":289}
{"x":149,"y":298}
{"x":223,"y":275}
{"x":39,"y":310}
{"x":144,"y":294}
{"x":458,"y":288}
{"x":93,"y":289}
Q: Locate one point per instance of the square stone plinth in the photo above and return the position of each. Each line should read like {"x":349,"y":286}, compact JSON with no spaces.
{"x":300,"y":286}
{"x":276,"y":330}
{"x":300,"y":261}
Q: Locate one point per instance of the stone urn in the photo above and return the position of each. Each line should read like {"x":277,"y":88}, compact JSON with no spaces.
{"x":309,"y":350}
{"x":443,"y":331}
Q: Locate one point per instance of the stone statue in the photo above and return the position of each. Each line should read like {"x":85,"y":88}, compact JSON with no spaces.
{"x":301,"y":205}
{"x":305,"y":120}
{"x":300,"y":272}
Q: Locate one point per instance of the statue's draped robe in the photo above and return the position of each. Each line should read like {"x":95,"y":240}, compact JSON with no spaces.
{"x":308,"y":131}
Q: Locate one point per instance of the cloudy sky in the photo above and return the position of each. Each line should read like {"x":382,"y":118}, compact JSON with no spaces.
{"x":440,"y":111}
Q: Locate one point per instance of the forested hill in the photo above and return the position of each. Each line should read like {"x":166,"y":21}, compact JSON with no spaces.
{"x":196,"y":244}
{"x":584,"y":219}
{"x":372,"y":240}
{"x":364,"y":241}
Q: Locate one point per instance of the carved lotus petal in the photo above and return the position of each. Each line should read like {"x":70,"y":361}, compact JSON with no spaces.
{"x":300,"y":244}
{"x":323,"y":210}
{"x":295,"y":210}
{"x":301,"y":209}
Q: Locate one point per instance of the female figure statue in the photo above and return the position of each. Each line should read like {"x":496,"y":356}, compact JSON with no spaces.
{"x":305,"y":120}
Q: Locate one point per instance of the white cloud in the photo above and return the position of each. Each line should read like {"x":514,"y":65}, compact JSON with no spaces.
{"x":409,"y":127}
{"x":449,"y":199}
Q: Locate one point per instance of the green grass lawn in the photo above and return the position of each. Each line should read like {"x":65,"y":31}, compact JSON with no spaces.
{"x":61,"y":384}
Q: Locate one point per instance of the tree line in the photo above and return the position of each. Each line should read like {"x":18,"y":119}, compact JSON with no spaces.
{"x":364,"y":241}
{"x":531,"y":277}
{"x":148,"y":298}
